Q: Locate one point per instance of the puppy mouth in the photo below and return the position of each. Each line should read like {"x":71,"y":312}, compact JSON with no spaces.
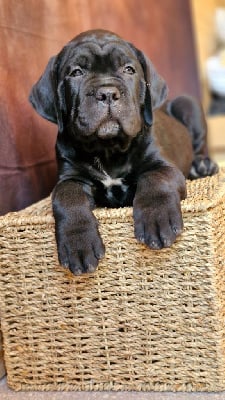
{"x":108,"y":130}
{"x":109,"y":136}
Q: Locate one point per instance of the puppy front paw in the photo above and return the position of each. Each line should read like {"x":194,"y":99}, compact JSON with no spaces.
{"x":158,"y":225}
{"x":80,"y":246}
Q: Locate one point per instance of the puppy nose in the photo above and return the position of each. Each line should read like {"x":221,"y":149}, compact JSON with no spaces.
{"x":108,"y":94}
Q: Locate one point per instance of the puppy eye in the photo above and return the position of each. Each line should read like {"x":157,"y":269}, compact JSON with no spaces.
{"x":129,"y":70}
{"x":76,"y":72}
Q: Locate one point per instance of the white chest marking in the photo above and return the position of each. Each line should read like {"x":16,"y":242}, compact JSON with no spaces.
{"x":109,"y":182}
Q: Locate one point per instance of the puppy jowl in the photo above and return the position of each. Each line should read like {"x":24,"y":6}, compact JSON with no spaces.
{"x":120,"y":143}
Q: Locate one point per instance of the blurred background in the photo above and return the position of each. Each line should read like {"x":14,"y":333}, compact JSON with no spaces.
{"x":184,"y":39}
{"x":208,"y":20}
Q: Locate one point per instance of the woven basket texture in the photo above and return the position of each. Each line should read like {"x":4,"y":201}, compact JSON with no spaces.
{"x":2,"y":366}
{"x":145,"y":320}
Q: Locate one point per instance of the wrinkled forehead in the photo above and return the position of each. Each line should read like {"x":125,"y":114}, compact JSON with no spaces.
{"x":98,"y":54}
{"x":96,"y":35}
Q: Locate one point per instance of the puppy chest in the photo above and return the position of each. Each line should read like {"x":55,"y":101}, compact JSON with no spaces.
{"x":114,"y":190}
{"x":111,"y":187}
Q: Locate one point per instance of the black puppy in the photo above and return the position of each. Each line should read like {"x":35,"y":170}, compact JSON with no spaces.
{"x":116,"y":147}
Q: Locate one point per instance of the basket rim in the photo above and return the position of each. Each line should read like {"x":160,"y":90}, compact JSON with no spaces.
{"x":41,"y":212}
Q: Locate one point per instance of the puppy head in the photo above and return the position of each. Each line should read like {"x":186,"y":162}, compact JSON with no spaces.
{"x":100,"y":89}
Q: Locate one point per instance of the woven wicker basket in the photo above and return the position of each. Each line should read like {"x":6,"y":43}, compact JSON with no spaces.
{"x":2,"y":366}
{"x":146,"y":320}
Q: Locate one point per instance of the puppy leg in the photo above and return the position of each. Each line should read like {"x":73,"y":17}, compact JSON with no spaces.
{"x":157,"y":212}
{"x":189,"y":111}
{"x":79,"y":243}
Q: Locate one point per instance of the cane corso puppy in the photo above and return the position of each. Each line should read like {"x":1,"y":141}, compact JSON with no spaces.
{"x":120,"y":143}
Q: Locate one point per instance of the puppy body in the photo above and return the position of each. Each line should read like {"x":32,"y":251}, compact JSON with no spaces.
{"x":119,"y":144}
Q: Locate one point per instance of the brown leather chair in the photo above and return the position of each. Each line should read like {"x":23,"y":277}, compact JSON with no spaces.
{"x":30,"y":32}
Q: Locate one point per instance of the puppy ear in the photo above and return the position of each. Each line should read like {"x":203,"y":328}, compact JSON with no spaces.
{"x":156,"y":87}
{"x":43,"y":93}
